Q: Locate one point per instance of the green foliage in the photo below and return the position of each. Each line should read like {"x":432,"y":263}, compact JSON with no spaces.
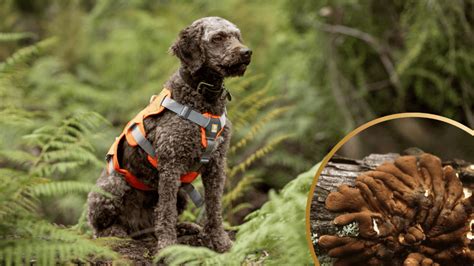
{"x":47,"y":244}
{"x":24,"y":54}
{"x":272,"y":235}
{"x":414,"y":54}
{"x":15,"y":36}
{"x":118,"y":52}
{"x":51,"y":189}
{"x":31,"y":161}
{"x":319,"y":69}
{"x":65,"y":148}
{"x":25,"y":236}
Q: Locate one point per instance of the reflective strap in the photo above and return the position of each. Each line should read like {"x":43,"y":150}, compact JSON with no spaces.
{"x":110,"y":165}
{"x":193,"y":194}
{"x":196,"y":117}
{"x":206,"y":155}
{"x":142,"y":141}
{"x":223,"y":119}
{"x":185,"y":112}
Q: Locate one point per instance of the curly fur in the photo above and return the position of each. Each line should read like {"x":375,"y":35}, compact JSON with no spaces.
{"x":210,"y":49}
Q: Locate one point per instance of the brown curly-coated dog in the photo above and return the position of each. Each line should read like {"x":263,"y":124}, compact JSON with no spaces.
{"x":210,"y":49}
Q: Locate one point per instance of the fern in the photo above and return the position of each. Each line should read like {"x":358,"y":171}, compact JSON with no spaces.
{"x":257,"y":128}
{"x":239,"y":190}
{"x":64,"y":148}
{"x":258,"y":154}
{"x":65,"y":187}
{"x":271,"y":235}
{"x":16,"y":36}
{"x":25,"y":54}
{"x":25,"y":236}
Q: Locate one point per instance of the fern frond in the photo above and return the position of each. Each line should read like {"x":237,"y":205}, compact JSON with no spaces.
{"x":240,"y":207}
{"x":59,"y":188}
{"x":257,"y":127}
{"x":17,"y":157}
{"x":64,"y":148}
{"x":16,"y":36}
{"x":50,"y":244}
{"x":248,"y":100}
{"x":239,"y":86}
{"x":16,"y":198}
{"x":15,"y":117}
{"x":251,"y":113}
{"x":410,"y":57}
{"x":25,"y":54}
{"x":185,"y":255}
{"x":261,"y":152}
{"x":82,"y":225}
{"x":239,"y":190}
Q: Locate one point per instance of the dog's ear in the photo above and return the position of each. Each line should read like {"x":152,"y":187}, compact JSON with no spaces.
{"x":189,"y":47}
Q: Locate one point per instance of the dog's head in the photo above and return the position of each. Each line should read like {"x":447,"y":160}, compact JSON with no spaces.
{"x":214,"y":43}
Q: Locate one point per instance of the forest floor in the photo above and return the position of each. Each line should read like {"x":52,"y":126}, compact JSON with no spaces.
{"x":141,"y":251}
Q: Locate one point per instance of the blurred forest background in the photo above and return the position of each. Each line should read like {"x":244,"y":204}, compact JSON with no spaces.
{"x":72,"y":73}
{"x":401,"y":134}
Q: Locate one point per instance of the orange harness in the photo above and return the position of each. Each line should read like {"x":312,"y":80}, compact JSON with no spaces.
{"x":135,"y":135}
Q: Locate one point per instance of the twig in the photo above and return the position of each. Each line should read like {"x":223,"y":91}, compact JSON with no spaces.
{"x":378,"y":85}
{"x":339,"y":95}
{"x":466,"y":104}
{"x":374,"y":43}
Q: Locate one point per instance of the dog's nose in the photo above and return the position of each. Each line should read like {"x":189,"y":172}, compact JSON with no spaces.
{"x":245,"y":52}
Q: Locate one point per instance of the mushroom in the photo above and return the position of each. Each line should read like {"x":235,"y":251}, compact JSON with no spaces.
{"x":409,"y":212}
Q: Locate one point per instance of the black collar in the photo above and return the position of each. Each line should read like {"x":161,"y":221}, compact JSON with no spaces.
{"x":208,"y":89}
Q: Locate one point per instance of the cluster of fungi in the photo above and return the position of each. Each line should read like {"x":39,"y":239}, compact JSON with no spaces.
{"x":410,"y":212}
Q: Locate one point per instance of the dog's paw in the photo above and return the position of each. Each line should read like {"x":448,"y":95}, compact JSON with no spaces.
{"x":163,"y":243}
{"x":187,"y":228}
{"x":223,"y":243}
{"x":218,"y":241}
{"x":112,"y":231}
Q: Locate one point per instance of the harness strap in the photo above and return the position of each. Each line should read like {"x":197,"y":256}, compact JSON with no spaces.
{"x":193,"y":194}
{"x":185,"y":112}
{"x":211,"y":127}
{"x":142,"y":141}
{"x":110,"y":164}
{"x":206,"y":155}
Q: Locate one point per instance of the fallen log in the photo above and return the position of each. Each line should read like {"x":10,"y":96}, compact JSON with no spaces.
{"x":340,"y":170}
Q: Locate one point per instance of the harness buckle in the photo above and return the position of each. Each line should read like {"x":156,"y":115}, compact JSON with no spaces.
{"x":185,"y":111}
{"x":204,"y":160}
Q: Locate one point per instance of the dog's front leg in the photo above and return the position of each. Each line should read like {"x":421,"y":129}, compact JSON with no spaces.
{"x":213,"y":178}
{"x":166,"y":213}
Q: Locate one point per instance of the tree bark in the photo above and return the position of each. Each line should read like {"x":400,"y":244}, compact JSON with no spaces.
{"x":340,"y":170}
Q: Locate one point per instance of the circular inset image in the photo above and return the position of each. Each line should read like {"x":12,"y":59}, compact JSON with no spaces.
{"x":396,"y":191}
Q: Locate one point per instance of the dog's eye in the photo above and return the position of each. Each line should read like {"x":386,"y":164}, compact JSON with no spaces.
{"x":219,"y":38}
